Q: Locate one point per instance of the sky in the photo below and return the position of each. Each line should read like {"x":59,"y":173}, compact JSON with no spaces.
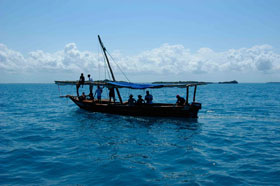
{"x":42,"y":41}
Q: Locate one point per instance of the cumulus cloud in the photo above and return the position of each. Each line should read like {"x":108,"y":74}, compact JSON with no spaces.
{"x":11,"y":60}
{"x":175,"y":59}
{"x":166,"y":59}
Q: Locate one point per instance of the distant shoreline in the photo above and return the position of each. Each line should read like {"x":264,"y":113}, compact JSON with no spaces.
{"x":193,"y":82}
{"x":172,"y":82}
{"x":273,"y":82}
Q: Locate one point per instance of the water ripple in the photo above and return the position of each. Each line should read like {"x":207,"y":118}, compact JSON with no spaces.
{"x":49,"y":141}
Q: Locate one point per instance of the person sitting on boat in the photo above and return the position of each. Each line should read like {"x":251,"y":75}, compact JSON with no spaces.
{"x":148,"y":98}
{"x":91,"y":85}
{"x":180,"y":100}
{"x":82,"y":97}
{"x":131,"y":100}
{"x":140,"y":100}
{"x":82,"y":80}
{"x":112,"y":94}
{"x":98,"y":92}
{"x":91,"y":96}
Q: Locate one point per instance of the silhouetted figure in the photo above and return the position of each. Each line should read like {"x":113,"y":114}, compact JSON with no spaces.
{"x":112,"y":94}
{"x":91,"y":85}
{"x":82,"y":97}
{"x":82,"y":80}
{"x":131,"y":100}
{"x":180,"y":100}
{"x":91,"y":96}
{"x":148,"y":98}
{"x":140,"y":101}
{"x":99,"y":93}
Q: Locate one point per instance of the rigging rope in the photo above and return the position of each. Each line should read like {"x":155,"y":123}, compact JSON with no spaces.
{"x":106,"y":71}
{"x":104,"y":66}
{"x":98,"y":59}
{"x":118,"y":66}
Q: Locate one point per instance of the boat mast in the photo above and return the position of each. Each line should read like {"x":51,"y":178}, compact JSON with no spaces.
{"x":113,"y":77}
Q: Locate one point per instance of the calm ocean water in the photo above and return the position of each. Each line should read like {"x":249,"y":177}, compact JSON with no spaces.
{"x":47,"y":140}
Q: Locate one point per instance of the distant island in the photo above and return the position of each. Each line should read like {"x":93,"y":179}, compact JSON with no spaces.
{"x":229,"y":82}
{"x":273,"y":82}
{"x":194,"y":82}
{"x":181,"y":82}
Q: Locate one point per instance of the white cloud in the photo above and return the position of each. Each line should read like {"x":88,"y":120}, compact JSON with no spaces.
{"x":175,"y":59}
{"x":11,"y":60}
{"x":168,"y":60}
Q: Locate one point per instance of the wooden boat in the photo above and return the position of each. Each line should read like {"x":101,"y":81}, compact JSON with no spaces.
{"x":188,"y":110}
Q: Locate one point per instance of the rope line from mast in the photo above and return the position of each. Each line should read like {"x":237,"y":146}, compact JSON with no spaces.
{"x":118,"y":67}
{"x":98,"y":59}
{"x":106,"y":71}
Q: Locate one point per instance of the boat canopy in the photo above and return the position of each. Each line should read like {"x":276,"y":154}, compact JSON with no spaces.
{"x":122,"y":84}
{"x":135,"y":85}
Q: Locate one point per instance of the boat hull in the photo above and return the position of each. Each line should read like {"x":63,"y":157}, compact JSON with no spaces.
{"x":151,"y":110}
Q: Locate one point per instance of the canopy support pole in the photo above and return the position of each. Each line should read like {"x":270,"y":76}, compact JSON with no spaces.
{"x":113,"y":77}
{"x":194,"y":93}
{"x":187,"y":96}
{"x":77,"y":89}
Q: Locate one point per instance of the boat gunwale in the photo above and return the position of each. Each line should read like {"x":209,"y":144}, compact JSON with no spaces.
{"x":125,"y":104}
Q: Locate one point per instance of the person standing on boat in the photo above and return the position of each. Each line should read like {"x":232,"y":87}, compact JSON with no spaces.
{"x":112,"y":94}
{"x":180,"y":100}
{"x":149,"y":98}
{"x":98,"y":92}
{"x":131,"y":100}
{"x":140,"y":101}
{"x":90,"y":85}
{"x":82,"y":80}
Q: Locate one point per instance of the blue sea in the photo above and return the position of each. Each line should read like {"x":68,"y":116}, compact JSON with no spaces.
{"x":47,"y":140}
